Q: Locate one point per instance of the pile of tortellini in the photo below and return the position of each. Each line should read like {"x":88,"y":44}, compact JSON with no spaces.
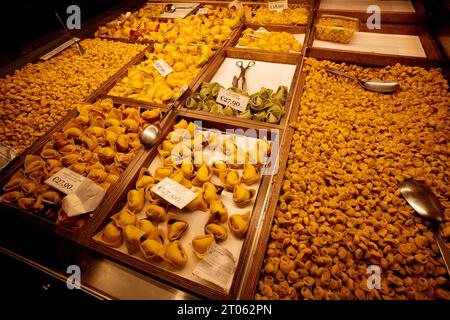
{"x":340,"y":210}
{"x":212,"y":29}
{"x":294,"y":14}
{"x":144,"y":82}
{"x":98,"y":143}
{"x":264,"y":105}
{"x":336,"y":29}
{"x":273,"y":41}
{"x":184,"y":156}
{"x":132,"y":25}
{"x":35,"y":97}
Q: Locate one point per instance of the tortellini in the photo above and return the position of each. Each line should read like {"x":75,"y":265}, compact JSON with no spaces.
{"x":339,"y":210}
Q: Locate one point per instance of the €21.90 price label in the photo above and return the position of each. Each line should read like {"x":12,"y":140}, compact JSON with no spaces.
{"x":235,"y":100}
{"x":278,"y":5}
{"x":163,"y":68}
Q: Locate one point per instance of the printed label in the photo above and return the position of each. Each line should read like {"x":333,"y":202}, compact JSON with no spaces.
{"x":235,"y":100}
{"x":174,"y":193}
{"x":163,"y":68}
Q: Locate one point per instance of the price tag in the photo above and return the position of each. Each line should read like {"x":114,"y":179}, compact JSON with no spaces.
{"x":217,"y":266}
{"x":202,"y":11}
{"x":7,"y":154}
{"x":58,"y":49}
{"x":174,"y":193}
{"x":278,"y":5}
{"x":235,"y":100}
{"x":163,"y":68}
{"x":65,"y":180}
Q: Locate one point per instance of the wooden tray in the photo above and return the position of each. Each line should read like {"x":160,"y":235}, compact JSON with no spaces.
{"x":352,"y":9}
{"x":153,"y":269}
{"x":254,"y":269}
{"x":432,"y":59}
{"x":124,"y":71}
{"x":310,"y":7}
{"x":249,"y":54}
{"x":36,"y":150}
{"x":17,"y":162}
{"x":276,"y":28}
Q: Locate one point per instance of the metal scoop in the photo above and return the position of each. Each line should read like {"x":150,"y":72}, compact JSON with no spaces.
{"x":81,"y":51}
{"x":171,"y":8}
{"x":372,"y":85}
{"x":426,"y":204}
{"x":151,"y":134}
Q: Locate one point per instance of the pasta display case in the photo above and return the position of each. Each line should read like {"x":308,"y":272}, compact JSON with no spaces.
{"x":281,"y":136}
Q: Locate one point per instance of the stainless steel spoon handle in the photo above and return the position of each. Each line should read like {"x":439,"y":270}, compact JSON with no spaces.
{"x":443,"y":248}
{"x":341,"y":73}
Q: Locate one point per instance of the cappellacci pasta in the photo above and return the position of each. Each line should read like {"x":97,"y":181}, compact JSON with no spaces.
{"x":340,"y":210}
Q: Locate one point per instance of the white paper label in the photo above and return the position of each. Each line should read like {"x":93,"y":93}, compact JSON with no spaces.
{"x":278,"y":5}
{"x":86,"y":198}
{"x":202,"y":11}
{"x":174,"y":193}
{"x":235,"y":100}
{"x":83,"y":194}
{"x":65,"y":180}
{"x":217,"y":266}
{"x":7,"y":154}
{"x":163,"y":68}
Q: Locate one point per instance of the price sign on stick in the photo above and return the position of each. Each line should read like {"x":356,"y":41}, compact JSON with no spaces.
{"x":235,"y":100}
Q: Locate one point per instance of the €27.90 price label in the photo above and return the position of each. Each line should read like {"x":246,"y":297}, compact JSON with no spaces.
{"x":235,"y":100}
{"x":65,"y":180}
{"x":174,"y":193}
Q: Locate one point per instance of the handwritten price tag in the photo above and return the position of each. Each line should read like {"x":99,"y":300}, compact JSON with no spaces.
{"x":65,"y":180}
{"x":235,"y":100}
{"x":174,"y":193}
{"x":278,"y":5}
{"x":202,"y":11}
{"x":163,"y":68}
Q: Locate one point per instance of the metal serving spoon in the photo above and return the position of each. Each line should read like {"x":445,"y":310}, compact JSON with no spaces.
{"x":151,"y":134}
{"x":81,"y":50}
{"x":170,"y":8}
{"x":424,"y":201}
{"x":372,"y":85}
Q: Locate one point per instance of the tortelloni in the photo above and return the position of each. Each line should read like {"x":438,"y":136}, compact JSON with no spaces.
{"x":98,"y":143}
{"x":154,"y":229}
{"x":239,"y":224}
{"x":175,"y":254}
{"x":201,"y":244}
{"x":340,"y":215}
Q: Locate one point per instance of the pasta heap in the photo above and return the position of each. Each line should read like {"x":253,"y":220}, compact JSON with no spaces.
{"x":340,"y":210}
{"x":98,"y":143}
{"x":40,"y":94}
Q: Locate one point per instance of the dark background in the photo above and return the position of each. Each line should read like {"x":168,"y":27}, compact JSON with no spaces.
{"x":28,"y":24}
